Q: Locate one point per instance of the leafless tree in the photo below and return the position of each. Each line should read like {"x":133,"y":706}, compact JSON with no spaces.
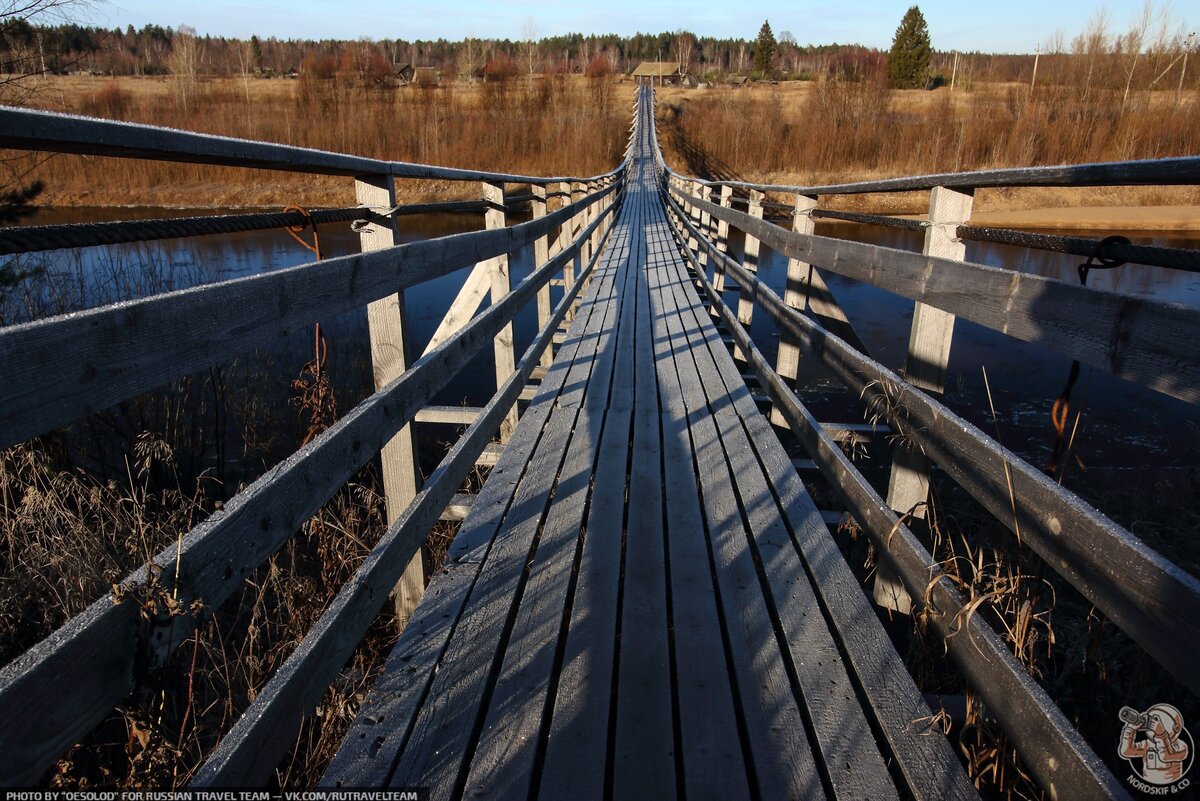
{"x":530,"y":48}
{"x":683,"y":49}
{"x":186,"y":54}
{"x":246,"y":64}
{"x":789,"y":51}
{"x":470,"y":58}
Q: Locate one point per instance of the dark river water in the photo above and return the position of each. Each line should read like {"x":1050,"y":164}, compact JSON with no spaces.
{"x":1127,"y":434}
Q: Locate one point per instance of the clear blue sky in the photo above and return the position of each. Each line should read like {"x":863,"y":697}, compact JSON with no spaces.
{"x":1007,"y":26}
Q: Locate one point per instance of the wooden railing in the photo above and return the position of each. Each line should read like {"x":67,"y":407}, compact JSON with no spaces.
{"x":1147,"y":341}
{"x":56,"y":692}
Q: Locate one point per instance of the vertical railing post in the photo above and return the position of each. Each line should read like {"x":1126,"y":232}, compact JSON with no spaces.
{"x":389,"y":360}
{"x":593,"y":215}
{"x":569,"y":269}
{"x":750,"y":262}
{"x":928,"y":356}
{"x":691,"y":189}
{"x":541,"y":254}
{"x":705,"y":226}
{"x":722,"y":242}
{"x":795,"y":295}
{"x":506,"y":361}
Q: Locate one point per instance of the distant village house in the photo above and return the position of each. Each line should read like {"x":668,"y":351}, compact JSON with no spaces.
{"x":666,"y":73}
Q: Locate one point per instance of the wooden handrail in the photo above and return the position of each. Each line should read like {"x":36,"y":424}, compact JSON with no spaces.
{"x":26,"y":129}
{"x":1178,"y":171}
{"x":1134,"y":585}
{"x":59,"y":689}
{"x":105,"y":355}
{"x":33,"y":238}
{"x":265,"y":731}
{"x":1148,"y":341}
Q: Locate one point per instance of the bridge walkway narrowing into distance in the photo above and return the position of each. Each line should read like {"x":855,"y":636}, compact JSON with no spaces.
{"x":644,"y":601}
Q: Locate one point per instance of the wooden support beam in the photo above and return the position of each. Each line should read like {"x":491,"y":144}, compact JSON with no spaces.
{"x":575,"y":267}
{"x":928,"y":356}
{"x":490,"y":456}
{"x":389,"y":360}
{"x":501,"y":285}
{"x":477,"y":284}
{"x":459,"y":506}
{"x":449,"y":415}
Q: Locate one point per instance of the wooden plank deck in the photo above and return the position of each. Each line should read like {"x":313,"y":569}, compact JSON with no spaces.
{"x":643,"y":601}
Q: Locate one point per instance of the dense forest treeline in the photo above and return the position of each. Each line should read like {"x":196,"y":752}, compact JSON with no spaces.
{"x":155,"y":50}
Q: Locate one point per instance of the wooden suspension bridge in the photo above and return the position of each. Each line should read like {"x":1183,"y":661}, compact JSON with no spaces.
{"x":643,"y":600}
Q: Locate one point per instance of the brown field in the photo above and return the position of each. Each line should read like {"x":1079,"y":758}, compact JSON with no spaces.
{"x":843,"y":131}
{"x":550,"y":126}
{"x":810,"y":132}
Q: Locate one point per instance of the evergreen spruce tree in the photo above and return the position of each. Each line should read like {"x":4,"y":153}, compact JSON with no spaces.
{"x":911,"y":54}
{"x":764,"y":49}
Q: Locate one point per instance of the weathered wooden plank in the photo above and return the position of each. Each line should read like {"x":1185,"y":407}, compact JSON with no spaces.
{"x":541,"y":253}
{"x":103,"y":356}
{"x":718,"y":273}
{"x":370,"y":752}
{"x":575,"y":767}
{"x":841,"y":735}
{"x":458,"y":507}
{"x":796,"y":291}
{"x":477,"y":284}
{"x":452,"y":415}
{"x":1150,"y":172}
{"x":502,"y":762}
{"x":644,"y":744}
{"x":750,"y":254}
{"x":1133,"y":584}
{"x":1137,"y":339}
{"x":449,"y":724}
{"x":43,"y":692}
{"x":777,"y":745}
{"x":490,"y":456}
{"x":710,"y":744}
{"x":26,"y":129}
{"x":928,"y":763}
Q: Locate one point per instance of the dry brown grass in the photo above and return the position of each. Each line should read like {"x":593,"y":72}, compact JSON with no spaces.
{"x":544,"y":126}
{"x":835,"y":131}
